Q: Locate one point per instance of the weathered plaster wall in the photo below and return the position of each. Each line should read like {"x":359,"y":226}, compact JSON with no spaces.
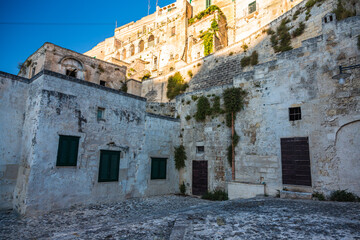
{"x":162,"y":135}
{"x":164,"y":109}
{"x":59,"y":105}
{"x":13,"y":94}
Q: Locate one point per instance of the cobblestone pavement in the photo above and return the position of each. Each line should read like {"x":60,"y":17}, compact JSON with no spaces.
{"x":176,"y":217}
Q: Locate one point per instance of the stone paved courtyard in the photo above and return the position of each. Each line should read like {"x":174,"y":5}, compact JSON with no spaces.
{"x":176,"y":217}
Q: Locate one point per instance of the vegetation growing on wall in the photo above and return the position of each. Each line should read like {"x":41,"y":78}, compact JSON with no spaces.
{"x":309,"y":5}
{"x":234,"y":142}
{"x":234,"y":102}
{"x":210,"y":10}
{"x":208,"y":37}
{"x":281,"y":40}
{"x":341,"y":12}
{"x":180,"y":157}
{"x":217,"y":195}
{"x":203,"y":109}
{"x":182,"y":188}
{"x":124,"y":87}
{"x":299,"y":30}
{"x":250,"y":60}
{"x":190,"y":73}
{"x":343,"y":196}
{"x":146,"y":76}
{"x":175,"y":86}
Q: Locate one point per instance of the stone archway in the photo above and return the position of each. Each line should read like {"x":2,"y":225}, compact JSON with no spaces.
{"x":348,"y":152}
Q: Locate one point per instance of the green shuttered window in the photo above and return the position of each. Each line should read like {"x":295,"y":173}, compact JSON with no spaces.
{"x":252,"y":7}
{"x":158,"y":168}
{"x":67,"y":151}
{"x":109,"y":166}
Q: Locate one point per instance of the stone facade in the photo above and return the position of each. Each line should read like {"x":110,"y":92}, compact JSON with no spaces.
{"x":50,"y":105}
{"x":298,"y":78}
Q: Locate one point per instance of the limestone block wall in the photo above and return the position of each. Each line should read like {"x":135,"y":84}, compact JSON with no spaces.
{"x":58,"y":59}
{"x":213,"y":135}
{"x":164,"y":109}
{"x":13,"y":94}
{"x":303,"y":77}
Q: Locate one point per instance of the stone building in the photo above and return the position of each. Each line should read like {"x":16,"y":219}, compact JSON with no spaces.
{"x":69,"y":140}
{"x":77,"y":137}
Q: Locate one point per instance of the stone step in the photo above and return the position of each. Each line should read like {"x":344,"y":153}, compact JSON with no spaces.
{"x":295,"y":195}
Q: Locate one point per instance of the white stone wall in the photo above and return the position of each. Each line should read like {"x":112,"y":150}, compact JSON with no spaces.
{"x":57,"y":105}
{"x":13,"y":94}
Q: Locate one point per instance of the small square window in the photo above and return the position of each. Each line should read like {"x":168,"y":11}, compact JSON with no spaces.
{"x":71,"y":73}
{"x":173,"y":31}
{"x":252,"y":7}
{"x":109,"y":166}
{"x":158,"y":168}
{"x":33,"y":71}
{"x":100,"y":113}
{"x":200,"y":149}
{"x":102,"y":83}
{"x":294,"y":114}
{"x":67,"y":151}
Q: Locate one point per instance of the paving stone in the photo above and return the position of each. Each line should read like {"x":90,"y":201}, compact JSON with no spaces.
{"x":191,"y":218}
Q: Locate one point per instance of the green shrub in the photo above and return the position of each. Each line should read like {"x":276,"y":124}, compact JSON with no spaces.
{"x":182,"y":188}
{"x":175,"y":86}
{"x":245,"y":47}
{"x":298,"y":31}
{"x":146,"y":76}
{"x":319,"y":196}
{"x":233,"y":102}
{"x":270,"y":31}
{"x":217,"y":195}
{"x":296,"y":14}
{"x":188,"y":117}
{"x":216,"y":105}
{"x":190,"y":73}
{"x":250,"y":60}
{"x":203,"y":109}
{"x":254,"y":58}
{"x":124,"y":87}
{"x":210,"y":10}
{"x":281,"y":41}
{"x":180,"y":157}
{"x":235,"y":139}
{"x":245,"y":61}
{"x":194,"y":97}
{"x":343,"y":196}
{"x":342,"y":13}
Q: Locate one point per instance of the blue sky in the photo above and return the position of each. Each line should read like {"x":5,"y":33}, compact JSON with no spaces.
{"x":18,"y":41}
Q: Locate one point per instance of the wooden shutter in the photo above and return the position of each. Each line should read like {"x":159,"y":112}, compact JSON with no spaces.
{"x":158,"y":168}
{"x":109,"y":166}
{"x":67,"y":151}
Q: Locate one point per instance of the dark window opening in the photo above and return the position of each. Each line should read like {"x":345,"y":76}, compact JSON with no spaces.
{"x":158,"y":168}
{"x":331,"y":18}
{"x":33,"y":71}
{"x":173,"y":31}
{"x":71,"y":73}
{"x":100,"y":113}
{"x":208,"y":3}
{"x":200,"y":149}
{"x":109,"y":166}
{"x":67,"y":151}
{"x":102,"y":83}
{"x":252,"y":7}
{"x":325,"y":19}
{"x":294,"y":113}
